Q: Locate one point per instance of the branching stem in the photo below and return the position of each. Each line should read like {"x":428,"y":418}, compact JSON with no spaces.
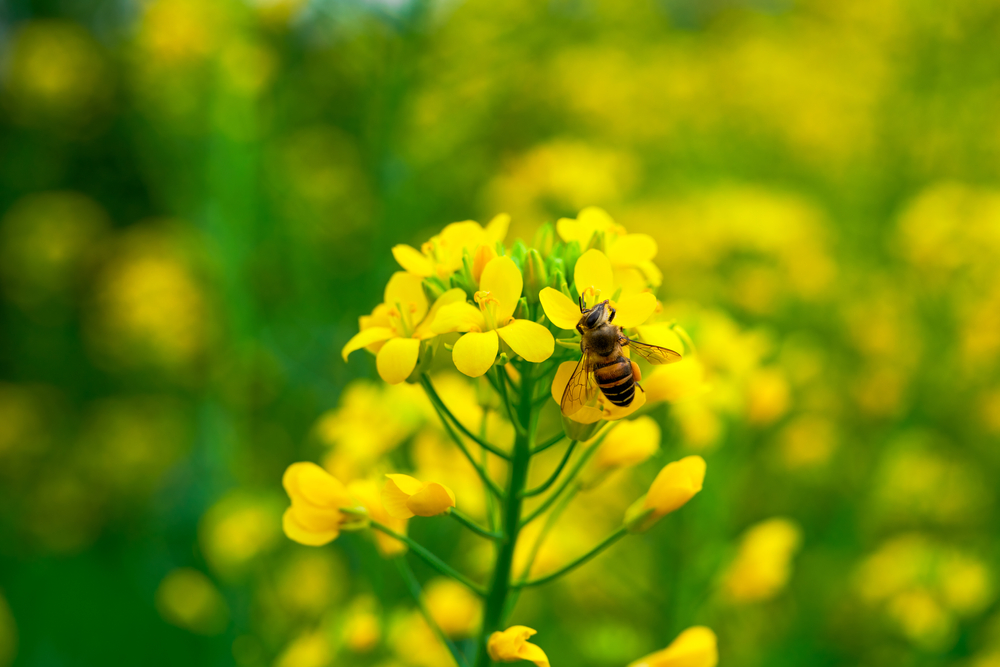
{"x":431,"y":559}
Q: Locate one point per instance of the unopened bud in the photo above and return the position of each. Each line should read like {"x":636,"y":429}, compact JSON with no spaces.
{"x":536,"y":277}
{"x":484,"y":254}
{"x":545,"y":238}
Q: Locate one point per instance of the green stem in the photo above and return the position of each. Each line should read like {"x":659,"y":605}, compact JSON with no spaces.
{"x":500,"y":586}
{"x":445,"y":412}
{"x":577,"y":467}
{"x":431,"y":559}
{"x":491,"y":506}
{"x":554,"y":440}
{"x":555,"y":474}
{"x":469,"y":523}
{"x":515,"y":417}
{"x":608,"y":541}
{"x":414,"y":587}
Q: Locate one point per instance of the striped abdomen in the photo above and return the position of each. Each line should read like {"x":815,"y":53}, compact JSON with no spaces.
{"x":616,"y":381}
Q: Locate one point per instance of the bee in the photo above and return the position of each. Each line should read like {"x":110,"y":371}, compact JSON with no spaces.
{"x":604,"y":364}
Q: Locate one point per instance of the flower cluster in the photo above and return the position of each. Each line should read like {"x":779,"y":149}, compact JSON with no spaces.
{"x":509,"y":318}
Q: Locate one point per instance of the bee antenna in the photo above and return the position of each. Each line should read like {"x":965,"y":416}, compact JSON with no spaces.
{"x":581,"y":303}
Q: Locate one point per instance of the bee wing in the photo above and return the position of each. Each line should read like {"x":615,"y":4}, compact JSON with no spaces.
{"x":581,"y":390}
{"x":654,"y":354}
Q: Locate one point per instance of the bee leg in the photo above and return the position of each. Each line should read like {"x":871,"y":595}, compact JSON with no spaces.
{"x":636,"y":373}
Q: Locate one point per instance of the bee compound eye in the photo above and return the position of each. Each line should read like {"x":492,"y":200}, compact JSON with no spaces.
{"x":593,"y":319}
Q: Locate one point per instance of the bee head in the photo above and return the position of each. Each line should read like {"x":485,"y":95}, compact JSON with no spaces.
{"x":592,"y":318}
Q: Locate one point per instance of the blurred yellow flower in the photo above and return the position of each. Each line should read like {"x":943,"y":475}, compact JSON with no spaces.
{"x":442,"y":255}
{"x":673,"y":487}
{"x":405,"y":496}
{"x":310,"y":649}
{"x":310,"y":581}
{"x":512,"y":645}
{"x":415,"y":643}
{"x":362,"y":629}
{"x":188,"y":599}
{"x":455,"y":608}
{"x":499,"y":291}
{"x":369,"y":494}
{"x":763,"y":562}
{"x":594,"y":279}
{"x":315,"y":517}
{"x":237,"y":529}
{"x":396,"y":328}
{"x":629,"y":443}
{"x":695,"y":647}
{"x":8,"y":634}
{"x":631,"y":255}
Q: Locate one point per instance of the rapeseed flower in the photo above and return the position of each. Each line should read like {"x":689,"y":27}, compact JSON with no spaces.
{"x":631,"y":255}
{"x":454,"y":608}
{"x":512,"y":645}
{"x":397,"y":326}
{"x":443,"y":254}
{"x":602,"y":409}
{"x":763,"y":563}
{"x":695,"y":647}
{"x":628,"y":444}
{"x":500,"y":289}
{"x":677,"y":483}
{"x":404,"y":497}
{"x":316,"y":515}
{"x":367,"y":492}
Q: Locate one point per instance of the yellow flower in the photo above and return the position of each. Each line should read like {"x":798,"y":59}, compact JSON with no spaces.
{"x":188,"y":599}
{"x":604,"y":409}
{"x":630,"y":254}
{"x":398,"y":325}
{"x":499,"y":291}
{"x":676,"y":484}
{"x":594,"y":279}
{"x":405,"y":496}
{"x":315,"y":517}
{"x":763,"y":562}
{"x":628,"y":444}
{"x":369,"y":495}
{"x":442,"y":255}
{"x":455,"y":608}
{"x":512,"y":645}
{"x":695,"y":647}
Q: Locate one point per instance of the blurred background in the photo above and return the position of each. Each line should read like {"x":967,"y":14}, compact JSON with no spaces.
{"x":198,"y":199}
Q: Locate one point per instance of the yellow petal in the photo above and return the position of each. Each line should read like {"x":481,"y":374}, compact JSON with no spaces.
{"x":695,"y":647}
{"x":397,"y":359}
{"x":561,"y":310}
{"x":496,"y":229}
{"x":634,"y":309}
{"x":676,"y":382}
{"x":316,"y":486}
{"x":365,"y":338}
{"x":628,"y":444}
{"x":662,"y":334}
{"x":529,"y":340}
{"x":593,"y":271}
{"x":298,"y":533}
{"x":474,"y":353}
{"x":676,"y":484}
{"x":425,"y":330}
{"x":396,"y":493}
{"x":406,"y":292}
{"x":483,"y":255}
{"x":512,"y":645}
{"x":460,"y":316}
{"x":570,"y":230}
{"x":431,"y":500}
{"x":596,"y":218}
{"x":502,"y":279}
{"x":632,"y":249}
{"x":586,"y":414}
{"x":533,"y":654}
{"x":413,"y":261}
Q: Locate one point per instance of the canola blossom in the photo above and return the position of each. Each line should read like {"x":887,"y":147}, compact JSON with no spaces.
{"x":695,"y":647}
{"x":488,"y":332}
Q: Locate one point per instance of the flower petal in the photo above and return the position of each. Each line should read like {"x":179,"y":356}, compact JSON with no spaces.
{"x":496,"y":229}
{"x":676,"y":484}
{"x":502,"y":279}
{"x":632,"y":249}
{"x":425,"y":329}
{"x":397,"y":359}
{"x":533,"y":654}
{"x":593,"y":270}
{"x":308,"y":481}
{"x":474,"y":353}
{"x":459,"y":316}
{"x":634,"y":309}
{"x":559,"y":308}
{"x":365,"y":338}
{"x":396,"y":493}
{"x":695,"y":647}
{"x":662,"y":334}
{"x":529,"y":340}
{"x":431,"y":500}
{"x":413,"y":261}
{"x":628,"y":444}
{"x":406,"y":292}
{"x":298,"y":533}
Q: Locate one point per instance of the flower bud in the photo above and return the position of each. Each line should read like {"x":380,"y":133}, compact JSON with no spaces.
{"x":404,"y":496}
{"x":317,"y":513}
{"x":579,"y":431}
{"x":483,"y":255}
{"x":512,"y":645}
{"x":545,"y":238}
{"x":695,"y":647}
{"x":676,"y":484}
{"x":536,"y":277}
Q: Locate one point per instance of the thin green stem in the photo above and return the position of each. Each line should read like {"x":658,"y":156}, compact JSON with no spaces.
{"x":491,"y":507}
{"x":414,"y":587}
{"x":555,"y":474}
{"x":500,"y":584}
{"x":577,"y":467}
{"x":608,"y":541}
{"x":469,"y":523}
{"x":554,"y":440}
{"x":445,"y":412}
{"x":515,"y":419}
{"x":431,"y":559}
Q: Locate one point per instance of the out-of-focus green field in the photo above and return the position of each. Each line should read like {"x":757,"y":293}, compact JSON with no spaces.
{"x":198,"y":199}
